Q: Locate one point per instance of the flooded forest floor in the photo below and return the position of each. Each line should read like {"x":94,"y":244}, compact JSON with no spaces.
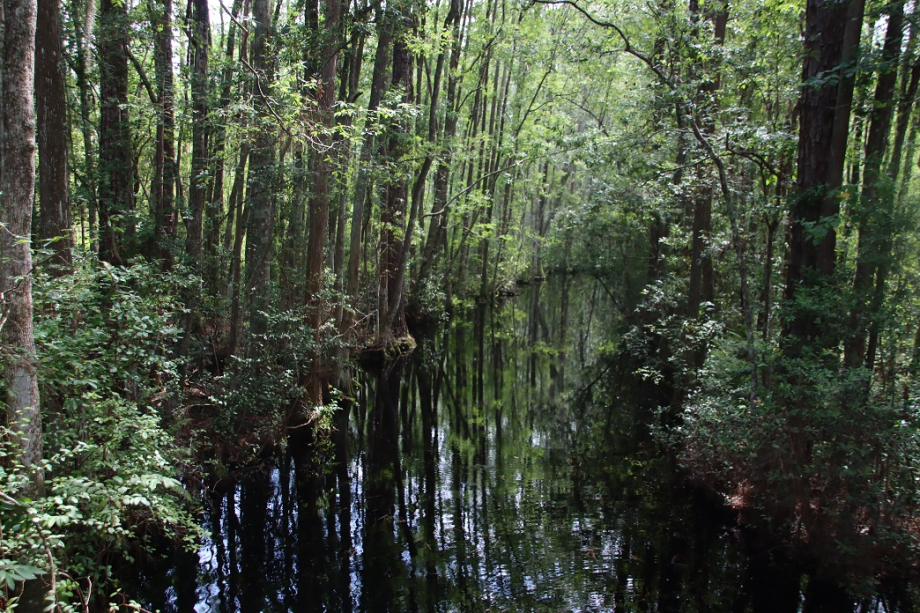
{"x":499,"y":467}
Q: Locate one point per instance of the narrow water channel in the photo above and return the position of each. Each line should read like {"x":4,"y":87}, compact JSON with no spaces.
{"x":478,"y":475}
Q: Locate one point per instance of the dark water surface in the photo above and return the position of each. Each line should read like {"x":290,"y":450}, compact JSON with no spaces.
{"x":479,"y":475}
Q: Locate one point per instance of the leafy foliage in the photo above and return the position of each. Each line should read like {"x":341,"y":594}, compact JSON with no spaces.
{"x":105,"y":340}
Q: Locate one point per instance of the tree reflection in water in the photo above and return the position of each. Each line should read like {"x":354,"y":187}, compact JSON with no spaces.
{"x":493,"y":469}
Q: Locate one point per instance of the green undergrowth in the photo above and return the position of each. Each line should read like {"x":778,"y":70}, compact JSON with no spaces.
{"x":131,"y":430}
{"x":823,"y":458}
{"x":105,"y":339}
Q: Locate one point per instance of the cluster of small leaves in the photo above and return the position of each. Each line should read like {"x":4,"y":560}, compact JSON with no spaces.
{"x":254,"y":392}
{"x":108,"y":328}
{"x":105,"y":341}
{"x":104,"y":496}
{"x":836,"y":470}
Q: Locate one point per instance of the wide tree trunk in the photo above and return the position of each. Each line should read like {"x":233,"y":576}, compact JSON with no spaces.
{"x":17,"y":185}
{"x":832,"y":32}
{"x":51,"y":107}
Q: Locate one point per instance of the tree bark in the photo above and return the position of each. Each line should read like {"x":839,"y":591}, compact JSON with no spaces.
{"x":17,"y":185}
{"x":368,"y":154}
{"x":236,"y":256}
{"x":831,"y":43}
{"x":116,"y":160}
{"x":51,"y":107}
{"x":874,"y":209}
{"x":261,"y":177}
{"x":319,"y":202}
{"x":217,"y":146}
{"x":701,"y":287}
{"x":390,"y":317}
{"x":81,"y":70}
{"x":200,"y":40}
{"x":165,"y":171}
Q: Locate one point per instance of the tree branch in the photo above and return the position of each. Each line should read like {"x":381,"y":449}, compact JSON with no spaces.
{"x":143,"y":77}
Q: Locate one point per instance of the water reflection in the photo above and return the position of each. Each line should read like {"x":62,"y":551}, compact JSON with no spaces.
{"x":479,"y":475}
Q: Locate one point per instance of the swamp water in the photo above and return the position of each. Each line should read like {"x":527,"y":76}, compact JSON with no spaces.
{"x":478,"y":475}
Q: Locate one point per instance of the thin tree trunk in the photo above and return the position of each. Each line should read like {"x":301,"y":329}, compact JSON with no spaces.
{"x":81,"y":69}
{"x":418,"y":189}
{"x":905,"y":108}
{"x":362,"y":187}
{"x":217,"y":145}
{"x":200,"y":41}
{"x":437,"y":228}
{"x":261,"y":179}
{"x":319,"y":203}
{"x":701,"y":287}
{"x":873,"y":211}
{"x":165,"y":171}
{"x":394,"y":205}
{"x":236,"y":257}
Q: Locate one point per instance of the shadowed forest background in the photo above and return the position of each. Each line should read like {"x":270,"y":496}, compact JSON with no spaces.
{"x":370,"y":263}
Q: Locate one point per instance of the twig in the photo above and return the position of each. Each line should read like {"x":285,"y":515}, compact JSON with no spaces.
{"x":143,"y":77}
{"x":83,"y":600}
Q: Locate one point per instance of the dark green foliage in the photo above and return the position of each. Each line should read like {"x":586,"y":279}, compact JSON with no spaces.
{"x":112,"y":465}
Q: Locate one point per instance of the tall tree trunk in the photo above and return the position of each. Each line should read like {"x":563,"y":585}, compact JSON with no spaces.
{"x":200,"y":41}
{"x":236,"y":256}
{"x":831,"y":44}
{"x":293,"y":244}
{"x":81,"y":69}
{"x":116,"y":160}
{"x":437,"y":227}
{"x":905,"y":107}
{"x":198,"y":184}
{"x":163,"y":208}
{"x":368,"y":154}
{"x":701,"y":287}
{"x":51,"y":107}
{"x":418,"y":188}
{"x":319,"y":203}
{"x":261,"y":177}
{"x":396,"y":194}
{"x":217,"y":146}
{"x":17,"y":185}
{"x":873,"y":211}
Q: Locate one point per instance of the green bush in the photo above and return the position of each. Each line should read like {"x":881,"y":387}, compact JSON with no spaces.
{"x":105,"y":340}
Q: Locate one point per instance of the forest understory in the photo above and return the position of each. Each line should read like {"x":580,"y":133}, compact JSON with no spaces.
{"x":215,"y":218}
